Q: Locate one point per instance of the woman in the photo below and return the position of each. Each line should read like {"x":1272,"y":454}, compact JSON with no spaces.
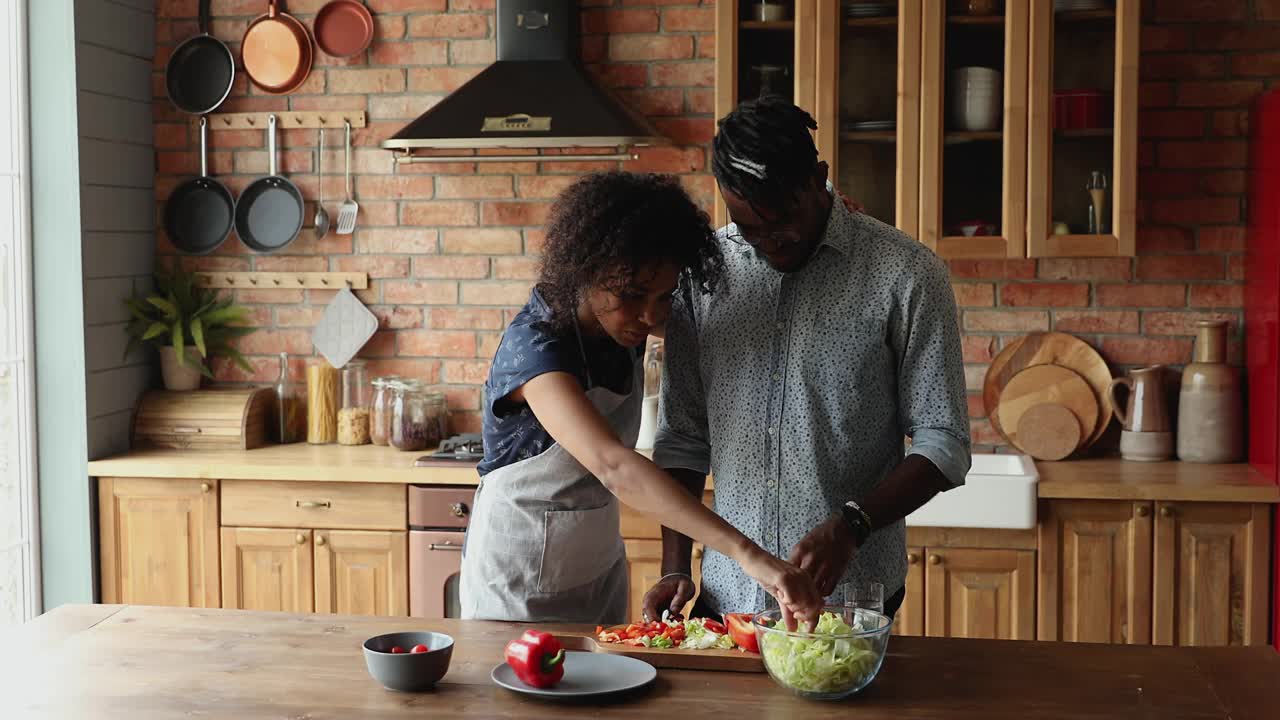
{"x":562,"y":411}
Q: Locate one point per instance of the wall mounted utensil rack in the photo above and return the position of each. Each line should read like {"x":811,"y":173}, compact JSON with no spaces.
{"x":283,"y":280}
{"x":285,"y":120}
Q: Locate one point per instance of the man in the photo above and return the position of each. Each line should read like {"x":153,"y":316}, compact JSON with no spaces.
{"x":831,"y":337}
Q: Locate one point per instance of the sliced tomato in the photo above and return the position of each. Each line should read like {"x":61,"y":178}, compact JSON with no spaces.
{"x":742,"y":631}
{"x":713,"y":626}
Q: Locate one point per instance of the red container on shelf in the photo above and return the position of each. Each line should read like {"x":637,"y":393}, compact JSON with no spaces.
{"x":1080,"y":110}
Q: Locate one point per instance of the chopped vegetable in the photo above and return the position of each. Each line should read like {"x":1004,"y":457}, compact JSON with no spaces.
{"x":820,"y":664}
{"x":667,"y":633}
{"x":742,"y":631}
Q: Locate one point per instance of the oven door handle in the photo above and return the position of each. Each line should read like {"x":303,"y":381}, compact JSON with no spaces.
{"x":445,"y":546}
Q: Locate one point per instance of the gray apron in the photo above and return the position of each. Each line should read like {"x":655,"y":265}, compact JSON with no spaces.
{"x":544,"y":544}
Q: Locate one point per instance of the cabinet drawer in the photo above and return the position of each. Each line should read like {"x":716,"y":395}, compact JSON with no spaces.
{"x":338,"y":506}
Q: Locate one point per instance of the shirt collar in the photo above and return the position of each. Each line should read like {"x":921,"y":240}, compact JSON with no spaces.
{"x":840,"y":226}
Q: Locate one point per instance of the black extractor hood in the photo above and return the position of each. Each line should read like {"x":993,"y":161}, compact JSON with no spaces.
{"x":537,"y":95}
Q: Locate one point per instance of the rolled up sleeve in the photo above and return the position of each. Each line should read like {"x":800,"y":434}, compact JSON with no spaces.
{"x":933,"y":406}
{"x":683,"y":438}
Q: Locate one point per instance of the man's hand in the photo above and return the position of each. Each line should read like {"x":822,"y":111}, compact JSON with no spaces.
{"x":671,"y":593}
{"x":825,"y":552}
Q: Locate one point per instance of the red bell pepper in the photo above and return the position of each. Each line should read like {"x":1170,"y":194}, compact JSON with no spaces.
{"x":537,"y":659}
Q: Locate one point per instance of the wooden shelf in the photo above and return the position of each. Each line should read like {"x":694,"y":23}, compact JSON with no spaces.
{"x":869,"y":136}
{"x":962,"y":136}
{"x":979,"y":246}
{"x":887,"y":21}
{"x":1065,"y":246}
{"x":769,"y":25}
{"x":1084,"y":134}
{"x":1084,"y":16}
{"x":975,"y":19}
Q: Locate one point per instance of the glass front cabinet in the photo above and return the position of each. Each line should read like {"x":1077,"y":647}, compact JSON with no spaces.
{"x":984,"y":128}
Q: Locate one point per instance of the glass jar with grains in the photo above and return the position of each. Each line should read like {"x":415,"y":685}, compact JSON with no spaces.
{"x":380,"y":410}
{"x":418,"y":416}
{"x":353,"y":415}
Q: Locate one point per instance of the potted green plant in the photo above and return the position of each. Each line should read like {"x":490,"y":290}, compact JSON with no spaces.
{"x":189,"y":324}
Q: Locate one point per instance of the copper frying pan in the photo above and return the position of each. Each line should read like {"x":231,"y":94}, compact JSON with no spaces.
{"x":276,"y":51}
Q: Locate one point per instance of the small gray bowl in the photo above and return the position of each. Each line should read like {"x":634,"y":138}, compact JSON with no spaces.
{"x":408,"y":672}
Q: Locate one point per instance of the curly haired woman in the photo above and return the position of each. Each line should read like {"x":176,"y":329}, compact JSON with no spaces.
{"x":562,"y":411}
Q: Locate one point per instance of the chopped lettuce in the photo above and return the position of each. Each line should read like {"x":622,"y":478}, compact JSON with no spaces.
{"x":698,"y":637}
{"x":820,"y":664}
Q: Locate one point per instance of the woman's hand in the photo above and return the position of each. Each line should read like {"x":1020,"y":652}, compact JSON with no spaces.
{"x":792,"y":587}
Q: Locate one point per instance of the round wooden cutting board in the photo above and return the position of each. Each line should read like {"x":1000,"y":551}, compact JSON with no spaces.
{"x":1049,"y":348}
{"x":1049,"y":432}
{"x":1046,"y":384}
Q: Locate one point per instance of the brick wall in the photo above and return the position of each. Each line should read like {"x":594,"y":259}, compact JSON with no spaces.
{"x":452,"y":250}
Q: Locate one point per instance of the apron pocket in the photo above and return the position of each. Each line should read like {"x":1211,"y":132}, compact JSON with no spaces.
{"x":578,"y":547}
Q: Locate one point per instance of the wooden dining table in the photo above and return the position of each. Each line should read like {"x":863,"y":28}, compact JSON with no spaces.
{"x":124,"y":661}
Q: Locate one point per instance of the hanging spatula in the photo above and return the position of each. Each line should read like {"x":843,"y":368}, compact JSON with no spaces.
{"x":347,"y":213}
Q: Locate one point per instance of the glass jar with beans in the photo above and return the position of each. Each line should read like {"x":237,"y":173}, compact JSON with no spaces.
{"x":418,"y":416}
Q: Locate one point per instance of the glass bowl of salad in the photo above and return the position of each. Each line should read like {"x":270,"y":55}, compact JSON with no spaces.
{"x":831,"y":660}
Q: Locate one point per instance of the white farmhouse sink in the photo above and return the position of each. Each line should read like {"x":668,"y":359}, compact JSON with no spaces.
{"x":998,"y":492}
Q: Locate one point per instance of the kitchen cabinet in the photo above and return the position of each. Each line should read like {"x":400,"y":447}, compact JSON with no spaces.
{"x":1142,"y":572}
{"x":910,"y":617}
{"x":267,"y":569}
{"x":969,"y":583}
{"x":980,"y":593}
{"x":1094,"y":52}
{"x":158,"y":541}
{"x":780,"y":56}
{"x":1211,"y":574}
{"x":884,"y":97}
{"x":970,"y":173}
{"x":1095,"y":571}
{"x":362,"y":572}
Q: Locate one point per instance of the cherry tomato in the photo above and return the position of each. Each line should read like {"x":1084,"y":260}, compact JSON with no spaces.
{"x":397,"y":650}
{"x":418,"y":649}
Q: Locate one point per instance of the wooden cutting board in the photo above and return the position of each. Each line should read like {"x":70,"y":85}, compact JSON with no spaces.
{"x":1046,"y":384}
{"x":672,"y":659}
{"x":1049,"y":432}
{"x":1050,"y":348}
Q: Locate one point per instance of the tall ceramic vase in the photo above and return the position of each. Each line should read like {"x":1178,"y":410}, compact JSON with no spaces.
{"x":1210,"y":407}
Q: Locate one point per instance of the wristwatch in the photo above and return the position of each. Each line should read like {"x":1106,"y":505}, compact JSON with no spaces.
{"x":858,"y":521}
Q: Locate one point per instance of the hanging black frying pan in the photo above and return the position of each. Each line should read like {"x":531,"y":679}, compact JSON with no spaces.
{"x":200,"y":212}
{"x":199,"y":74}
{"x":269,"y":214}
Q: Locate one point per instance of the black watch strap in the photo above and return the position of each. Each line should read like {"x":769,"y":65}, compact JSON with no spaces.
{"x":857,"y":520}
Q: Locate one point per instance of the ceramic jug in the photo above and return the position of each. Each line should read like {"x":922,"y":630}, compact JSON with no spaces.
{"x":1210,"y":407}
{"x":1147,"y":429}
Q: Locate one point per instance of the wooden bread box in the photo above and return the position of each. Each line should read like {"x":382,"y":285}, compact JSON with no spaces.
{"x":203,"y":419}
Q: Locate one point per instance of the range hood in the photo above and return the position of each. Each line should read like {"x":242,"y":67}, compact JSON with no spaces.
{"x":537,"y":95}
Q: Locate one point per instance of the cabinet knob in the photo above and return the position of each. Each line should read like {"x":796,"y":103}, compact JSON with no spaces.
{"x":320,"y":540}
{"x":697,"y":554}
{"x":1143,"y":511}
{"x":912,"y":558}
{"x":935,"y":559}
{"x":300,"y":538}
{"x":1166,"y":511}
{"x":205,"y":487}
{"x":458,"y":509}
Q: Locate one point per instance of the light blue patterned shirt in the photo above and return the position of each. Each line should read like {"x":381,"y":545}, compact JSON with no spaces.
{"x":796,"y":392}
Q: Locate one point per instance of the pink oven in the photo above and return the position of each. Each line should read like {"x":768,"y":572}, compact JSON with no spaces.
{"x":437,"y":525}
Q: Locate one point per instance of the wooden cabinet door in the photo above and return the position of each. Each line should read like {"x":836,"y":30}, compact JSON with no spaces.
{"x":267,"y":569}
{"x":1211,"y":578}
{"x":158,"y":541}
{"x":980,"y":593}
{"x":644,"y":566}
{"x":1095,"y":571}
{"x":362,"y":573}
{"x":910,"y":618}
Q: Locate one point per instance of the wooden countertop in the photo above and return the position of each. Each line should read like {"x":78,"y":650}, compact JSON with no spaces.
{"x":128,"y":662}
{"x":1103,"y":478}
{"x":1116,"y":479}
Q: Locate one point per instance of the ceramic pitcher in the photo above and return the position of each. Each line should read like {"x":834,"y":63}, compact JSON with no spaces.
{"x":1147,"y":409}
